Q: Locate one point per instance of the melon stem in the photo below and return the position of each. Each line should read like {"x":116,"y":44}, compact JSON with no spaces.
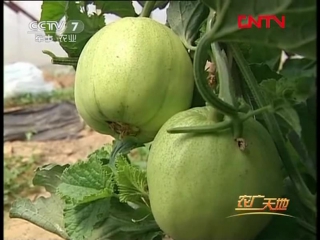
{"x":69,"y":61}
{"x":148,"y":8}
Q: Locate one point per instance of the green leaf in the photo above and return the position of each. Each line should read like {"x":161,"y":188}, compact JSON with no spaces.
{"x":49,"y":176}
{"x":102,"y":154}
{"x":202,"y":31}
{"x":73,"y":43}
{"x":293,"y":68}
{"x":263,"y":71}
{"x":270,"y":88}
{"x":52,"y":11}
{"x":185,"y":19}
{"x":131,"y":182}
{"x":126,"y":223}
{"x":46,"y":213}
{"x":296,"y":90}
{"x":81,"y":219}
{"x":85,"y":182}
{"x":260,"y":54}
{"x":298,"y":36}
{"x":290,"y":116}
{"x":119,"y":8}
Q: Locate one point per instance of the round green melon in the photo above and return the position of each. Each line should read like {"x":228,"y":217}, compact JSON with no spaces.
{"x":131,"y":77}
{"x":195,"y":180}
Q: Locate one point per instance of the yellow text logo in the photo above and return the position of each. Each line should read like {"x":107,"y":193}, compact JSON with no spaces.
{"x":271,"y":206}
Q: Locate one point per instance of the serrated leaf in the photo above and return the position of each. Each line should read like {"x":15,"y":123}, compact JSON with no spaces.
{"x":102,"y":154}
{"x":81,"y":219}
{"x":131,"y":182}
{"x":52,"y":11}
{"x":299,"y":35}
{"x":85,"y":182}
{"x":119,"y":8}
{"x":185,"y":19}
{"x":272,"y":90}
{"x":269,"y":88}
{"x":297,"y":90}
{"x":48,"y":176}
{"x":140,"y":164}
{"x":46,"y":213}
{"x":126,"y":223}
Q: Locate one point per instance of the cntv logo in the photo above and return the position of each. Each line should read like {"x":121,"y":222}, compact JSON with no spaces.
{"x":246,"y":21}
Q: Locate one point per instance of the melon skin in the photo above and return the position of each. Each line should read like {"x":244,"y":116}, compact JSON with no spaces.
{"x":195,"y":180}
{"x":132,"y":76}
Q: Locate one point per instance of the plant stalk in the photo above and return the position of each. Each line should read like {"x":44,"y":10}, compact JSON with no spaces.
{"x":148,"y":8}
{"x":220,"y":125}
{"x":226,"y":88}
{"x":69,"y":61}
{"x":302,"y":190}
{"x":200,"y":77}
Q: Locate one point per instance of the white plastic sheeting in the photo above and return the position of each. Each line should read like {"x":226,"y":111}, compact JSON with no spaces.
{"x":23,"y":77}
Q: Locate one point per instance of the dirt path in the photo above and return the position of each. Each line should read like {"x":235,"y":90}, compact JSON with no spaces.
{"x":60,"y":152}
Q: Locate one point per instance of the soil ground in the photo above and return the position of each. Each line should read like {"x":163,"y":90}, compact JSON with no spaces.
{"x":61,"y":152}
